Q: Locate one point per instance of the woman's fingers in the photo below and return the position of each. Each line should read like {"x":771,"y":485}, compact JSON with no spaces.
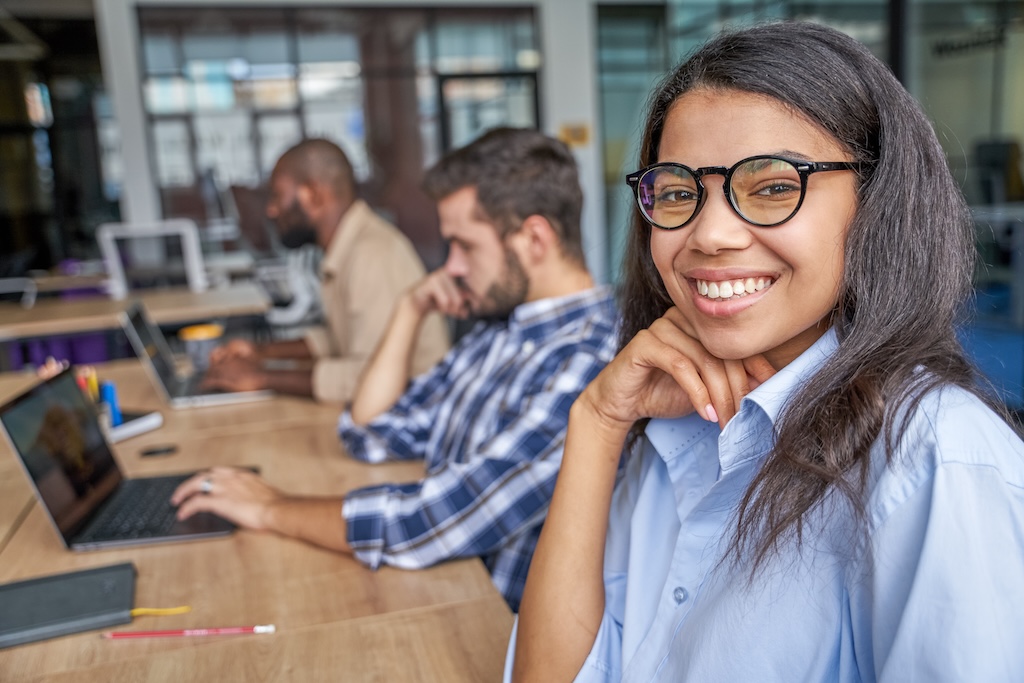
{"x":707,"y":382}
{"x":665,"y":372}
{"x":758,"y":369}
{"x":739,"y":384}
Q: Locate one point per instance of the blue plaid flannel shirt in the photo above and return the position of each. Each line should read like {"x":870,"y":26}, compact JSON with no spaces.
{"x":490,"y":421}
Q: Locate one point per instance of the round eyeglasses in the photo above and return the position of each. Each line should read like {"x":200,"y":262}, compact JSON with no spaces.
{"x":763,"y":190}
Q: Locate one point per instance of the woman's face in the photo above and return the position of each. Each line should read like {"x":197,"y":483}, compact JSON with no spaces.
{"x":797,"y":265}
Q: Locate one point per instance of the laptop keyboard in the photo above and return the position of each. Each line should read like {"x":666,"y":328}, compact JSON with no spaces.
{"x":141,"y":509}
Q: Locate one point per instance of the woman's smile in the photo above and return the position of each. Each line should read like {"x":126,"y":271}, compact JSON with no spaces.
{"x":729,"y":289}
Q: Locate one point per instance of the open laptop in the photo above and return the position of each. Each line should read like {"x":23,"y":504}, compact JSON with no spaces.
{"x":179,"y":391}
{"x":54,"y":430}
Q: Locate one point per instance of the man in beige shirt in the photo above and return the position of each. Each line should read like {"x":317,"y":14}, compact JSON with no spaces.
{"x":368,"y":264}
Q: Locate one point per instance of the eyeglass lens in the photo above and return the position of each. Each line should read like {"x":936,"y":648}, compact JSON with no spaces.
{"x":764,"y":191}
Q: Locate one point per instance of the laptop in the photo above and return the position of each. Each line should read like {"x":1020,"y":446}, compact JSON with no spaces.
{"x":179,"y":391}
{"x":55,"y":432}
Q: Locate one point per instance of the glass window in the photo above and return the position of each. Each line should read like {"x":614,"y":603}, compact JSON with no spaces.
{"x":224,"y":146}
{"x":492,"y":41}
{"x":160,"y":55}
{"x":473,"y":105}
{"x":632,"y":55}
{"x":228,"y":89}
{"x":966,"y":67}
{"x":276,"y":134}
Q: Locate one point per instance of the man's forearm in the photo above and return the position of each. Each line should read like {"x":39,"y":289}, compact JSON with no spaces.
{"x":387,"y":374}
{"x":314,"y":520}
{"x":296,"y":349}
{"x":294,"y":382}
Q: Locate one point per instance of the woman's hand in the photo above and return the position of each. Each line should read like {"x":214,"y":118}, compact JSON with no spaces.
{"x":664,"y":372}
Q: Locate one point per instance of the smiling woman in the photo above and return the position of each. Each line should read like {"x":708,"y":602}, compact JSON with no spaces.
{"x":814,"y":482}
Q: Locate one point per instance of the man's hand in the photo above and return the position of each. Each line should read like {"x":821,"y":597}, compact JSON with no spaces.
{"x":236,"y":348}
{"x":235,"y":374}
{"x":237,"y":495}
{"x":246,"y":499}
{"x":438,"y":292}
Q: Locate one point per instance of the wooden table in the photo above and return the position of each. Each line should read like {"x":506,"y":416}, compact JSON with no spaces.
{"x":62,"y":283}
{"x":336,"y":619}
{"x":58,"y":316}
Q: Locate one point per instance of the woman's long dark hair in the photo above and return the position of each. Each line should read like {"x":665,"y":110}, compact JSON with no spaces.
{"x":909,"y":258}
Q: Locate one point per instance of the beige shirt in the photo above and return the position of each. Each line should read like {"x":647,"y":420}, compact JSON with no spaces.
{"x":366,"y":268}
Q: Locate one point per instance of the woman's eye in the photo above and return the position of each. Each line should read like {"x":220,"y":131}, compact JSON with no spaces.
{"x":778,"y":188}
{"x":675,"y":195}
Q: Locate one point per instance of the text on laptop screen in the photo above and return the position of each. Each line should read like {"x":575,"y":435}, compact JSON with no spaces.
{"x":54,"y":430}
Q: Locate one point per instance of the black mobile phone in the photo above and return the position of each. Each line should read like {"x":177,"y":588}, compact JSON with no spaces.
{"x":158,"y":450}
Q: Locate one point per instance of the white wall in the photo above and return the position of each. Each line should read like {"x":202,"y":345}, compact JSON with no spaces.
{"x":568,"y":95}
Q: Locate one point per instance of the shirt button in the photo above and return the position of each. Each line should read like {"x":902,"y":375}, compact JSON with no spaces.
{"x":528,"y":347}
{"x":680,"y":595}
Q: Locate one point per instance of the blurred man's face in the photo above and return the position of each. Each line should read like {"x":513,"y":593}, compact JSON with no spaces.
{"x":487,"y":272}
{"x":293,"y":223}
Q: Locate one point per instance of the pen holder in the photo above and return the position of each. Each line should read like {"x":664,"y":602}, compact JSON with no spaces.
{"x":199,"y":341}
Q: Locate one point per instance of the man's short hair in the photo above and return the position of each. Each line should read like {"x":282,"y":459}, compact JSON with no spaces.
{"x":517,"y":173}
{"x":320,"y":160}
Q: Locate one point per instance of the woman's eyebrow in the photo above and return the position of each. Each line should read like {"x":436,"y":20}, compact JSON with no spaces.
{"x":791,"y":154}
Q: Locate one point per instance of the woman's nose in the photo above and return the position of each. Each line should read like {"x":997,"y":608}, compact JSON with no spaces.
{"x":717,"y":227}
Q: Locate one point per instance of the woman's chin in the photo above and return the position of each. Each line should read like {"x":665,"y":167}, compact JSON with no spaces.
{"x":731,"y":346}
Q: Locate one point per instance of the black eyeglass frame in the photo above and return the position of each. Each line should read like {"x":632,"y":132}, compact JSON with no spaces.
{"x":803,"y":169}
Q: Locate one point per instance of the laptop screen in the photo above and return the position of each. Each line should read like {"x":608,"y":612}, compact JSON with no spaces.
{"x":53,"y":429}
{"x":149,"y":341}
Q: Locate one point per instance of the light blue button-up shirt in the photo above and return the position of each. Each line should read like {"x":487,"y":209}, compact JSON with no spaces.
{"x":931,"y":590}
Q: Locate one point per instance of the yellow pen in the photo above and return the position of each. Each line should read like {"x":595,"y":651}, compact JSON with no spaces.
{"x":93,"y":383}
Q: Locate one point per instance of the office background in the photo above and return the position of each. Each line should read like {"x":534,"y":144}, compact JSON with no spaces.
{"x":141,"y":109}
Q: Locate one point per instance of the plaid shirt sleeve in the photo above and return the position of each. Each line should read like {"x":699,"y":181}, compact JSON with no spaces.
{"x":470,"y":508}
{"x":402,"y":431}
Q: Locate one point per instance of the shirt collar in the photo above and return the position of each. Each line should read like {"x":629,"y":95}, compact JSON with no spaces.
{"x":349,"y":227}
{"x":737,"y":444}
{"x":536,"y":319}
{"x":773,"y":395}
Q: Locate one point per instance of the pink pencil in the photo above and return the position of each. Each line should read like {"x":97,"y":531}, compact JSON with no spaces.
{"x":189,"y":632}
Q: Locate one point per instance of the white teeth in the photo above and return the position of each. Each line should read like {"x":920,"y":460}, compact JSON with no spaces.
{"x":727,"y":289}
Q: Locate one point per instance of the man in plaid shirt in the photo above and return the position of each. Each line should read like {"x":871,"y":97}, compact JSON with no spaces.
{"x":490,"y":418}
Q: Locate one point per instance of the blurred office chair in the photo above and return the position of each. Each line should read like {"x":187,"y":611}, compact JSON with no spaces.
{"x":295,"y":283}
{"x":130,"y":248}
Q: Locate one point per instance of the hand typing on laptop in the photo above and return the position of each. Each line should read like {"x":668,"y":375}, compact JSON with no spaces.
{"x":235,"y":374}
{"x":236,"y":348}
{"x":243,"y":496}
{"x":246,"y":499}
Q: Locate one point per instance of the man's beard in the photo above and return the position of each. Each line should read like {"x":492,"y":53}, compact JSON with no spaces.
{"x":503,"y":296}
{"x":296,"y":229}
